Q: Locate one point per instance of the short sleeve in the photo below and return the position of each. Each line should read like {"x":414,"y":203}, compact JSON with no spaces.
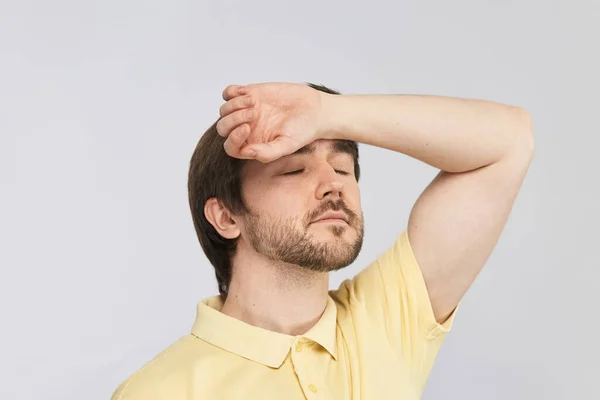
{"x":393,"y":292}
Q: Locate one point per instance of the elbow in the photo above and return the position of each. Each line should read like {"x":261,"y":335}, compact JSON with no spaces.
{"x":524,"y":141}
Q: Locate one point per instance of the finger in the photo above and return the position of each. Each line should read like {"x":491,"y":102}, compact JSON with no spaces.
{"x":237,"y":103}
{"x":228,"y":123}
{"x":233,"y":90}
{"x":236,"y":140}
{"x":268,"y":152}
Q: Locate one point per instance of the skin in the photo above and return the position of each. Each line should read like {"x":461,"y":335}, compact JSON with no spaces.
{"x":283,"y":253}
{"x":483,"y":150}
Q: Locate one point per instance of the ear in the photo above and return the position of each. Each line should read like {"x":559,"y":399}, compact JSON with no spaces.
{"x":221,"y":219}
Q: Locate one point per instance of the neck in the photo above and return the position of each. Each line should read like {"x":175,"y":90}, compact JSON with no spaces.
{"x":282,"y":298}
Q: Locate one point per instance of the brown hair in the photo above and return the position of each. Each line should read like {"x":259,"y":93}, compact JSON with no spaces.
{"x":213,"y":173}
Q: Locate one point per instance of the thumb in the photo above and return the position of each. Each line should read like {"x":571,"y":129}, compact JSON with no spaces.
{"x":267,"y":152}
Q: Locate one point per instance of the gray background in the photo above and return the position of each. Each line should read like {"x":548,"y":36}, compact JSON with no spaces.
{"x":102,"y":103}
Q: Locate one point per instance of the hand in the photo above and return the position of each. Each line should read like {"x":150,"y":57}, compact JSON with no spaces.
{"x":267,"y":121}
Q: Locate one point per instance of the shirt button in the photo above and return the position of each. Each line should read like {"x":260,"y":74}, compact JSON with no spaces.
{"x":313,"y":388}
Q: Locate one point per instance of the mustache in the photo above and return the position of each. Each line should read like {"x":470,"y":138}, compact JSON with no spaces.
{"x":331,"y":205}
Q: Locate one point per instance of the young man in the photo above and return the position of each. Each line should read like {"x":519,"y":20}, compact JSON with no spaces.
{"x":276,"y":204}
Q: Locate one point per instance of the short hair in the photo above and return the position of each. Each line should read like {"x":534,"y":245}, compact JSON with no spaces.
{"x":215,"y":174}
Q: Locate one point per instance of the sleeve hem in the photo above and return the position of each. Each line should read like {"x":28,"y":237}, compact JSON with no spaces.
{"x":432,"y":328}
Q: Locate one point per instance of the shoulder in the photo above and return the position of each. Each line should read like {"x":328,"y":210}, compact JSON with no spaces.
{"x":391,"y":292}
{"x":394,"y":269}
{"x":164,"y":374}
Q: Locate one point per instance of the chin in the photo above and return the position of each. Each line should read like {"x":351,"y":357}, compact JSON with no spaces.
{"x":347,"y":236}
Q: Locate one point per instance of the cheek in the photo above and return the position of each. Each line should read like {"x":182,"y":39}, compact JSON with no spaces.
{"x":280,"y":204}
{"x":353,"y":198}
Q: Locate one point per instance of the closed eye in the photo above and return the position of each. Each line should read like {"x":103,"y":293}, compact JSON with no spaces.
{"x":293,"y":172}
{"x":302,"y":170}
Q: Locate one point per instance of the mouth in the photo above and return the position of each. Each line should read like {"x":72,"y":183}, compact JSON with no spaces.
{"x":333,"y":217}
{"x":331,"y":221}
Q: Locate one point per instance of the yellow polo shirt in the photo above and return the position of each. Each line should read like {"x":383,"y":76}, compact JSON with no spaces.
{"x":377,"y":339}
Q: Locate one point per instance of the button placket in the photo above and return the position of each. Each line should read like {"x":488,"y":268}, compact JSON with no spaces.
{"x":304,"y":373}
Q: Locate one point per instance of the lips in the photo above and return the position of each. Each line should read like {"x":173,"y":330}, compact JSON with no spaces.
{"x":333,"y":215}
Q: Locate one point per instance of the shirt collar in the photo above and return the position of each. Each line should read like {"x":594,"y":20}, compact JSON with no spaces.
{"x":254,"y":343}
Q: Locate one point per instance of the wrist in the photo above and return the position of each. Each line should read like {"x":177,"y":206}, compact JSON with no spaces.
{"x":328,"y":126}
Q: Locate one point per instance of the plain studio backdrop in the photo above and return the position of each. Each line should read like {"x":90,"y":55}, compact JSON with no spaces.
{"x":102,"y":103}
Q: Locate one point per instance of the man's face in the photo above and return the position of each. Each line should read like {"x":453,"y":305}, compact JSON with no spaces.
{"x":282,"y":224}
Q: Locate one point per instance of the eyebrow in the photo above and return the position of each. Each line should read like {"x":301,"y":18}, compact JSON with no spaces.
{"x":339,"y":147}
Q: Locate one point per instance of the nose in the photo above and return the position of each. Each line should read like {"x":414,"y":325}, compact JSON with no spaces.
{"x":330,"y":186}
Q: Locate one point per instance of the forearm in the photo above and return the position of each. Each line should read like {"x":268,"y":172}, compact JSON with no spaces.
{"x":454,"y":135}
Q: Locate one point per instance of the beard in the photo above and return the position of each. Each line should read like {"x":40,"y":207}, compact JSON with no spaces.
{"x":290,"y":242}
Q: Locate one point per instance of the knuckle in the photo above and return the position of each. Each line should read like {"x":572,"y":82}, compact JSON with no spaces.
{"x":243,"y":131}
{"x":236,"y":136}
{"x":239,"y":103}
{"x":241,"y":116}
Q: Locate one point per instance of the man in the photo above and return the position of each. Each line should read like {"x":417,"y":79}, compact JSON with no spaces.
{"x":276,"y":205}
